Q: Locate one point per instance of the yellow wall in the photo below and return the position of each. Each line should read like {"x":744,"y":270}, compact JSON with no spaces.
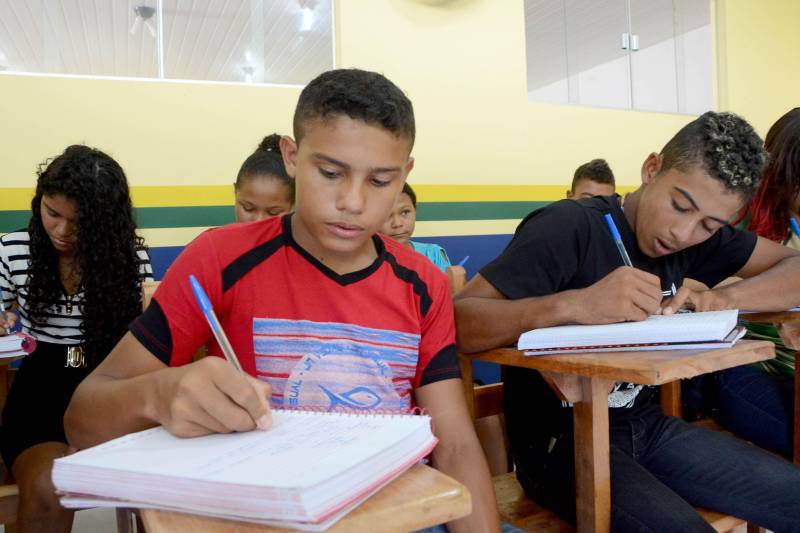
{"x":759,"y":58}
{"x":463,"y":64}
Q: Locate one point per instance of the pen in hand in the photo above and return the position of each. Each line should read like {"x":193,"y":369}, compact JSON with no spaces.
{"x":219,"y":334}
{"x":213,"y":321}
{"x":618,"y":240}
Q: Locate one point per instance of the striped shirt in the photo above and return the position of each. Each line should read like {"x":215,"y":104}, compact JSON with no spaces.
{"x":59,"y":327}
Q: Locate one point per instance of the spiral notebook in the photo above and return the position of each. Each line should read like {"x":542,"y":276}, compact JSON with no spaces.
{"x":306,"y":472}
{"x":682,"y":331}
{"x":16,"y":345}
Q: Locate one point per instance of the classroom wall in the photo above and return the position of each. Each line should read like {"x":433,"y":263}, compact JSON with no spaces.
{"x":485,"y":155}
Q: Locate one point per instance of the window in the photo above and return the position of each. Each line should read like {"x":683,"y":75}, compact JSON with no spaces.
{"x":651,"y":55}
{"x":249,"y":41}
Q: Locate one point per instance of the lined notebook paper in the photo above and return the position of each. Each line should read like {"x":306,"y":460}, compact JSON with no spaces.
{"x":306,"y":472}
{"x":709,"y":330}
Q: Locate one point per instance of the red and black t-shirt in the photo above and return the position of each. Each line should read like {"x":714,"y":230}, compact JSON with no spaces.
{"x":363,"y":340}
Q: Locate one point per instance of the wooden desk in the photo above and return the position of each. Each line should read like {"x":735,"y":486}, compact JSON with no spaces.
{"x":585,"y":379}
{"x":422,"y":497}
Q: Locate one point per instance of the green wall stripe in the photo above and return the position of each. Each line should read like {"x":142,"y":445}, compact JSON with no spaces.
{"x":203,"y":216}
{"x":13,"y":220}
{"x":184,"y":217}
{"x":431,"y":211}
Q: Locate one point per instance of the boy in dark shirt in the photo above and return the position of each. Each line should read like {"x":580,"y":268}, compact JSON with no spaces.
{"x":562,"y":267}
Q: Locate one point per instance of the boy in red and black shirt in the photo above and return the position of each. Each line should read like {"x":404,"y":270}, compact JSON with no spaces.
{"x":321,"y":311}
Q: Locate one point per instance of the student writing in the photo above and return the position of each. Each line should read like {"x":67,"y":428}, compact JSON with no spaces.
{"x":75,"y":277}
{"x":321,"y":311}
{"x":560,"y":268}
{"x":757,"y":401}
{"x":263,"y":189}
{"x":400,"y":227}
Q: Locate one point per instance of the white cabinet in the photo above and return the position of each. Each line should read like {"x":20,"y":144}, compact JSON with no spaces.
{"x":650,"y":55}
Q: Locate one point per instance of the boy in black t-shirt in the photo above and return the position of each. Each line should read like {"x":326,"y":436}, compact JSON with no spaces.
{"x":562,"y":267}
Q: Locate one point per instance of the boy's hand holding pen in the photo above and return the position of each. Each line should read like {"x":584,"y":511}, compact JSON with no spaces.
{"x":211,"y":395}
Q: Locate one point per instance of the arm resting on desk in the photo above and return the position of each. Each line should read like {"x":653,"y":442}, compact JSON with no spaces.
{"x":771,"y":282}
{"x":486,"y":319}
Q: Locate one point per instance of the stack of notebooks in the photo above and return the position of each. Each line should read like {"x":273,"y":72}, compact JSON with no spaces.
{"x":16,"y":345}
{"x":306,"y":472}
{"x":683,"y":331}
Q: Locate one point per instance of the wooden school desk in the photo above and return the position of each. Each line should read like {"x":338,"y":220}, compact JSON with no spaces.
{"x":422,"y":497}
{"x":585,"y":379}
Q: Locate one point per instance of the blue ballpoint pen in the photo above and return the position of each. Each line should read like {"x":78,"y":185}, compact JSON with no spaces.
{"x":463,"y":261}
{"x":795,"y":226}
{"x":219,"y":333}
{"x":618,"y":240}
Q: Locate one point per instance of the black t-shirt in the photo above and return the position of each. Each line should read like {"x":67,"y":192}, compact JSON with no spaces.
{"x":567,"y":245}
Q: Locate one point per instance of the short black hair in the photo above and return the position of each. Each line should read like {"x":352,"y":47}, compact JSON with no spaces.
{"x":596,"y":170}
{"x":360,"y":95}
{"x":411,"y":194}
{"x":724,"y":145}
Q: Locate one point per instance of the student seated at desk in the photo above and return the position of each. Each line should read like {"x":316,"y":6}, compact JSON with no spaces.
{"x":562,"y":266}
{"x":263,"y":189}
{"x":321,"y":311}
{"x":400,"y":227}
{"x":592,"y":179}
{"x":757,"y":401}
{"x":75,"y":277}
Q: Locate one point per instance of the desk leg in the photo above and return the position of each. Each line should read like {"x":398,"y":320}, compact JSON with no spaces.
{"x":592,"y":470}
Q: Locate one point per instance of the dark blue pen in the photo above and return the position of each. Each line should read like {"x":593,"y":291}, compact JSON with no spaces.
{"x":618,"y":240}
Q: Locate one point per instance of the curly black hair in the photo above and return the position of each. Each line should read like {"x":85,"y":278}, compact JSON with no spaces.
{"x":360,"y":95}
{"x":106,"y":249}
{"x":725,"y":145}
{"x":266,"y":161}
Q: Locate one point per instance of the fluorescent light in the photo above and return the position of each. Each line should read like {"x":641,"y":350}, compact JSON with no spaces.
{"x":308,"y":19}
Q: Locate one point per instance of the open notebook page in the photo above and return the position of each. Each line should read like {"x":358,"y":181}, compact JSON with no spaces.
{"x":300,"y":450}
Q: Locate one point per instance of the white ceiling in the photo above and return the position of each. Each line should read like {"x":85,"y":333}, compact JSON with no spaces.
{"x":202,"y":39}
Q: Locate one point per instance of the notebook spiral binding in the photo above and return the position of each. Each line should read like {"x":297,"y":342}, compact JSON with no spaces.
{"x":414,"y":411}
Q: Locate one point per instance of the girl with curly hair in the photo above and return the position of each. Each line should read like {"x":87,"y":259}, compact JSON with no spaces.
{"x":263,"y":189}
{"x":75,"y":278}
{"x":757,"y":402}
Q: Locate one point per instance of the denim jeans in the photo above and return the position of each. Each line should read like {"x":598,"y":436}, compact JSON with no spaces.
{"x":662,"y":467}
{"x":757,"y":406}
